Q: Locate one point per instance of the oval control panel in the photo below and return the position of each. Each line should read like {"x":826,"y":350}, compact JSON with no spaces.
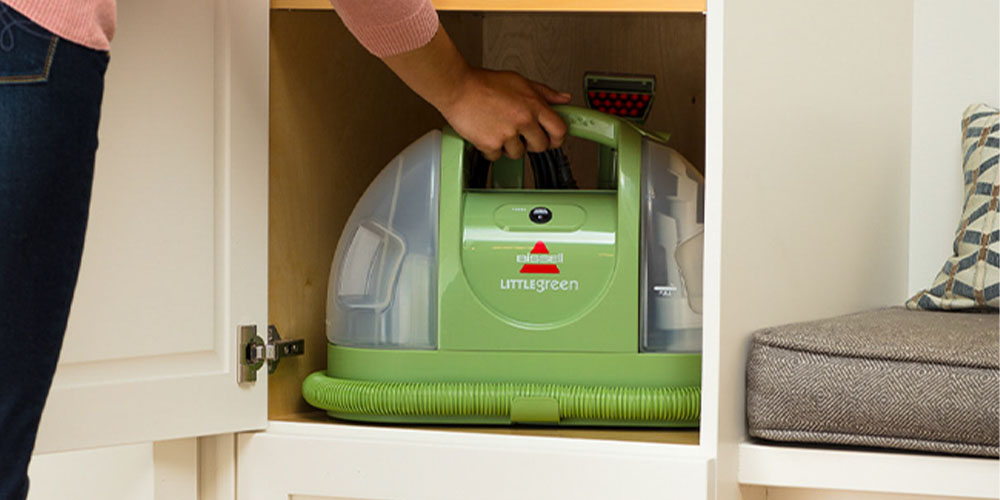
{"x":556,"y":217}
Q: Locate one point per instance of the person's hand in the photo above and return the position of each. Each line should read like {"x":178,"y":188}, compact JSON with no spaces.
{"x":497,"y":111}
{"x":501,"y":112}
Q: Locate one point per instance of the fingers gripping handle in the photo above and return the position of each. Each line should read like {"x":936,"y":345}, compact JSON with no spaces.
{"x":586,"y":124}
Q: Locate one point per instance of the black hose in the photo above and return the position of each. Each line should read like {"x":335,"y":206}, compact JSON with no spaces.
{"x":564,"y":174}
{"x":479,"y":168}
{"x":552,"y":170}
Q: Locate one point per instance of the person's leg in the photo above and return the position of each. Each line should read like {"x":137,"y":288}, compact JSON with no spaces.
{"x":50,"y":97}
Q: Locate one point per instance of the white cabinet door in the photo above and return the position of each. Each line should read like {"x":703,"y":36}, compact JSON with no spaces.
{"x":176,"y":250}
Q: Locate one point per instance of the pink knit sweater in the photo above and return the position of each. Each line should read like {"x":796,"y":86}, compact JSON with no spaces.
{"x":389,"y":27}
{"x":86,"y":22}
{"x":384,"y":27}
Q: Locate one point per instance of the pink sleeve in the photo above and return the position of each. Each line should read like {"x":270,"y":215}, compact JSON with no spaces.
{"x":389,"y":27}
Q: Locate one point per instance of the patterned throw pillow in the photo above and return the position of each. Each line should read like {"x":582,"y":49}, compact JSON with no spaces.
{"x":970,"y":278}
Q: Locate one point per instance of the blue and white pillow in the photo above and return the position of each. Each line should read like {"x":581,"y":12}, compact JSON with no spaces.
{"x":970,"y":278}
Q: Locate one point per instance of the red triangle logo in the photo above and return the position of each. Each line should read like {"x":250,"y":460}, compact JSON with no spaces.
{"x":539,"y":248}
{"x":540,"y":269}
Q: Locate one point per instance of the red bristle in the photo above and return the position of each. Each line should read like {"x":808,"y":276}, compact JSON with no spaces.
{"x":629,"y":104}
{"x":634,"y":112}
{"x":591,"y":94}
{"x":601,"y":94}
{"x":618,"y":104}
{"x":645,"y":97}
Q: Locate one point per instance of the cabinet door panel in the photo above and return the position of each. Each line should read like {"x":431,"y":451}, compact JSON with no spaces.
{"x":149,"y":258}
{"x":329,"y":461}
{"x":176,"y":250}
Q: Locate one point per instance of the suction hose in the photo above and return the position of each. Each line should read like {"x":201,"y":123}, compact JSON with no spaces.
{"x":461,"y":399}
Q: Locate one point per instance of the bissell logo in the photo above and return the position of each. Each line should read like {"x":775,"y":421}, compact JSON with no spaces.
{"x":540,"y":261}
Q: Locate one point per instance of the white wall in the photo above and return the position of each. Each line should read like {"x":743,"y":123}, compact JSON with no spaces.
{"x":956,"y":62}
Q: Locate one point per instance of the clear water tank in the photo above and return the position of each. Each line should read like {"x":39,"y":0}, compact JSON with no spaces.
{"x":673,"y":220}
{"x":383,"y":280}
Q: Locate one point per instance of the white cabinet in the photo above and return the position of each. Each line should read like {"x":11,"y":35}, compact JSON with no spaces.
{"x":176,"y":253}
{"x":807,"y":131}
{"x":877,"y":472}
{"x":165,"y":470}
{"x":325,"y":460}
{"x":317,"y":175}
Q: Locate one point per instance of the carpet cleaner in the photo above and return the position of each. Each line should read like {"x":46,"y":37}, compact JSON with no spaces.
{"x":459,"y":296}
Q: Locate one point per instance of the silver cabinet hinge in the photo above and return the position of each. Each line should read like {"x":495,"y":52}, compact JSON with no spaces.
{"x":253,"y":351}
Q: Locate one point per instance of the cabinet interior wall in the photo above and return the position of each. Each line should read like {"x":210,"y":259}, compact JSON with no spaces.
{"x":338,"y":115}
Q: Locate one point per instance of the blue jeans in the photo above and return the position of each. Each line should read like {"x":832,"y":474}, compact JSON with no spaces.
{"x":50,"y":99}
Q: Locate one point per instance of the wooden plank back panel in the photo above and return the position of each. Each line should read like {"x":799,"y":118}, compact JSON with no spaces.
{"x":558,"y":48}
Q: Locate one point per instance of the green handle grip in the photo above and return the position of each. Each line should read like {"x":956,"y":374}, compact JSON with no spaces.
{"x":591,"y":125}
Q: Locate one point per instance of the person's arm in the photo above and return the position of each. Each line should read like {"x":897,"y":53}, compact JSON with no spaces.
{"x":492,"y":110}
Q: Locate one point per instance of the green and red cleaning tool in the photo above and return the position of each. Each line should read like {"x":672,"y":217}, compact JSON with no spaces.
{"x":628,"y":96}
{"x":457,"y":296}
{"x":625,"y":95}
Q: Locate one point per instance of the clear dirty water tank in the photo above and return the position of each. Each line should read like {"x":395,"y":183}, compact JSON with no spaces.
{"x":383,"y":281}
{"x":673,"y":220}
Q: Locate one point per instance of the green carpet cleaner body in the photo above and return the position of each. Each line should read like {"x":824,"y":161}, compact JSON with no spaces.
{"x":458,"y":296}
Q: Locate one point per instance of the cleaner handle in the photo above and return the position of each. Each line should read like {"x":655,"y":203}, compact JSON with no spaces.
{"x":590,"y":124}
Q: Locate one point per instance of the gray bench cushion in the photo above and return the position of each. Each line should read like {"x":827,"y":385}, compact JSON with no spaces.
{"x":892,"y":378}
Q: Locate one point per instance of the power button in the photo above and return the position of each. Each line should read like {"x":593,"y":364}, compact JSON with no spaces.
{"x":540,"y":215}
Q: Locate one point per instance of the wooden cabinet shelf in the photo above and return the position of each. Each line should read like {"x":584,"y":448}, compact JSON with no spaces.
{"x":526,"y":6}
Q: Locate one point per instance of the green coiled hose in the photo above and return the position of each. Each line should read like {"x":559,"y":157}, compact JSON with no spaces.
{"x":464,"y":399}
